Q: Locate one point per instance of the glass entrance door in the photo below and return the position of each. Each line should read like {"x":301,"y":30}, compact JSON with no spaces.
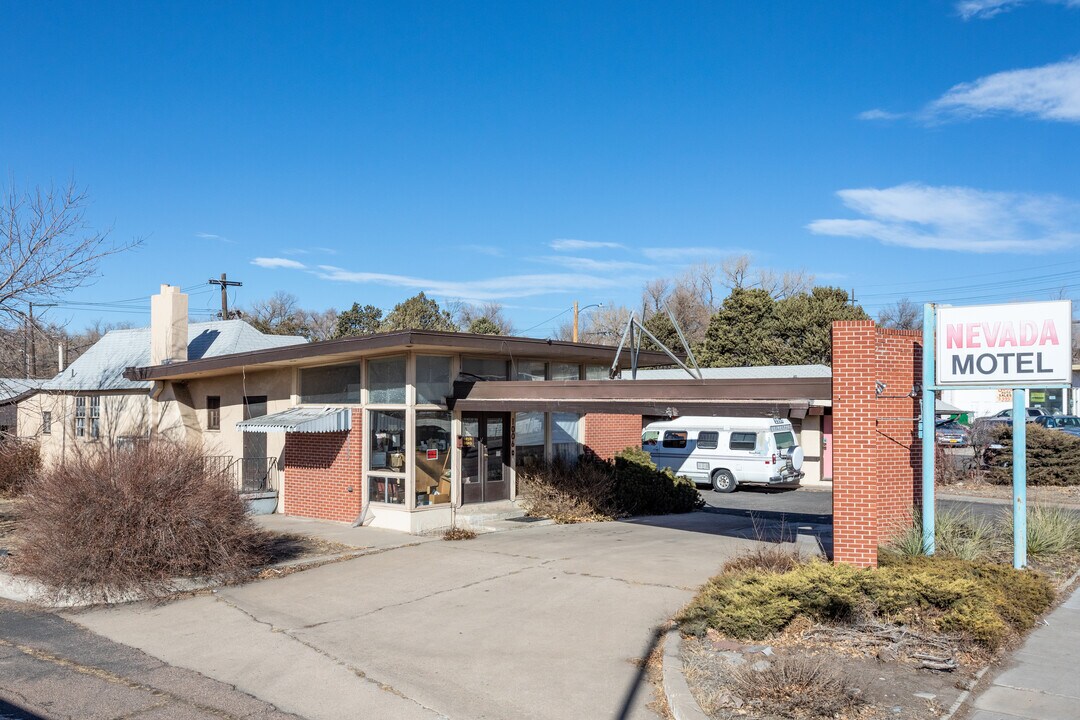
{"x":485,"y":452}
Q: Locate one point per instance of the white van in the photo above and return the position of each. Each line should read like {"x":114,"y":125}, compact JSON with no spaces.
{"x":726,"y":452}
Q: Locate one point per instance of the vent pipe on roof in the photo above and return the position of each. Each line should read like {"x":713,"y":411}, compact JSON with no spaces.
{"x":168,"y":326}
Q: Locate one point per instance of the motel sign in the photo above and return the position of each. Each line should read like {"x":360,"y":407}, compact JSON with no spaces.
{"x":1019,"y":345}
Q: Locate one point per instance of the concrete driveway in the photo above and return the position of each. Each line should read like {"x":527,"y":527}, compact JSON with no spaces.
{"x":542,"y":622}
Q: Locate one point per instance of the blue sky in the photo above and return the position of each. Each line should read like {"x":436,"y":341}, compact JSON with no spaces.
{"x":537,"y":153}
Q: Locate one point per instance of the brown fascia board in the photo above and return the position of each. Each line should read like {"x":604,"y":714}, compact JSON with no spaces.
{"x":518,"y":347}
{"x":784,"y":390}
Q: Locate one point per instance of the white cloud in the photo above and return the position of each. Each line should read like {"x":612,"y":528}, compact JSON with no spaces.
{"x":574,"y":262}
{"x":490,"y":250}
{"x":879,"y":114}
{"x":211,"y":236}
{"x":1048,"y":92}
{"x":957,"y":218}
{"x":274,"y":263}
{"x":983,"y":9}
{"x":675,"y":253}
{"x":563,"y":245}
{"x":509,"y":286}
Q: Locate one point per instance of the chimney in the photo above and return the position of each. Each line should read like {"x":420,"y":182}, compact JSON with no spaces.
{"x":168,"y":326}
{"x":60,"y":357}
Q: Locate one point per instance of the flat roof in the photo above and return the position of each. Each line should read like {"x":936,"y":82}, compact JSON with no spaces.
{"x":343,"y":350}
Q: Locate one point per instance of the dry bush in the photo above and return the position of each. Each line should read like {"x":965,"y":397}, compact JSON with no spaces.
{"x":20,"y":461}
{"x":794,"y":687}
{"x":135,"y":521}
{"x":459,"y":533}
{"x":569,"y":493}
{"x":773,"y":558}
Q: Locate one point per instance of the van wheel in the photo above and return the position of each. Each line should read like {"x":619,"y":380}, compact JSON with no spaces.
{"x":723,"y":481}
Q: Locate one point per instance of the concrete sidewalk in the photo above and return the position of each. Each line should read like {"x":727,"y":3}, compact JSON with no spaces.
{"x":1041,"y":680}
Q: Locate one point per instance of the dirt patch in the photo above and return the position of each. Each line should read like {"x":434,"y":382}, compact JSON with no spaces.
{"x":8,"y":521}
{"x":837,"y":678}
{"x":1049,"y":495}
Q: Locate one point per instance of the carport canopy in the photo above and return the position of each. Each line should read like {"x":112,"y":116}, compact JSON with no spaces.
{"x":301,"y":420}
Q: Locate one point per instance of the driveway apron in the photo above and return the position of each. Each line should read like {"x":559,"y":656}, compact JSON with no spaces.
{"x":543,"y":622}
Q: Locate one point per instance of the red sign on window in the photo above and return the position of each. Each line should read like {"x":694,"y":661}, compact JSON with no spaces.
{"x":432,"y":454}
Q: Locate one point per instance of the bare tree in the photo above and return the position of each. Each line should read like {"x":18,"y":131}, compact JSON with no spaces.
{"x":602,"y":325}
{"x":735,"y":271}
{"x":487,"y":319}
{"x":901,"y":315}
{"x":47,"y":248}
{"x":281,"y":314}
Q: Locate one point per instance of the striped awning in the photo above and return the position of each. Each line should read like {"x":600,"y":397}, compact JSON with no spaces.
{"x":295,"y":420}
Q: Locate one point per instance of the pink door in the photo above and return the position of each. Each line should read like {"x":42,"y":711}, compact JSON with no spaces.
{"x":826,"y":447}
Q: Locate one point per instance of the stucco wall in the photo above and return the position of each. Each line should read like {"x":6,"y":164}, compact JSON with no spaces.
{"x":122,"y":414}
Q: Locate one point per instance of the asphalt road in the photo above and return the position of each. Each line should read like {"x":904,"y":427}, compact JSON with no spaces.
{"x":811,"y":504}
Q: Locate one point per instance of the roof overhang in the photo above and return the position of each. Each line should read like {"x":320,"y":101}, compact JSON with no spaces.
{"x":795,"y":398}
{"x":301,"y":420}
{"x":349,"y":349}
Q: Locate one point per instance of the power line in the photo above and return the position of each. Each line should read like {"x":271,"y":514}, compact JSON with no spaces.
{"x":544,"y":322}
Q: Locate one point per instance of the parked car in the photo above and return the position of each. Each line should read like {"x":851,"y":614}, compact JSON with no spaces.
{"x":727,"y":452}
{"x":1059,"y":422}
{"x":950,"y":432}
{"x":1005,"y":416}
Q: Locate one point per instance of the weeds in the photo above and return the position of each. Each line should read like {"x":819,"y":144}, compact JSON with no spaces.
{"x":135,"y":521}
{"x":773,"y":558}
{"x":957,"y":533}
{"x":1050,"y":530}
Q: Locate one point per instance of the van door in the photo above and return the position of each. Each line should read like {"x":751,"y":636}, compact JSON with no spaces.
{"x":673,"y":450}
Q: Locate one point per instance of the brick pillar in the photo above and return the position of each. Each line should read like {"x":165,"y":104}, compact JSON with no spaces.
{"x":877,"y":454}
{"x":607,"y":434}
{"x":855,"y":483}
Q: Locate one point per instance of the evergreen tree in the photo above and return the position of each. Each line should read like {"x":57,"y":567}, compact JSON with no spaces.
{"x":419,"y":313}
{"x":358,"y":320}
{"x":743,"y":332}
{"x":484,"y":326}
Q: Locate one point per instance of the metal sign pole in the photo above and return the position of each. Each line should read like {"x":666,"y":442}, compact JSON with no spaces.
{"x":929,"y":430}
{"x":1019,"y":423}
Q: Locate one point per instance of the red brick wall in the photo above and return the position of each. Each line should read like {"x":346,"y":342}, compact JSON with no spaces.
{"x":876,"y":451}
{"x":319,"y":470}
{"x":607,"y":434}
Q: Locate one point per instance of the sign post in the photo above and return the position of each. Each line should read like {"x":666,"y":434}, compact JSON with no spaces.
{"x":1017,"y":346}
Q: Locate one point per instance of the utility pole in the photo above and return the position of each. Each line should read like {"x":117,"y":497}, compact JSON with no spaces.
{"x":575,"y":320}
{"x":26,"y":344}
{"x":33,"y":349}
{"x":225,"y":283}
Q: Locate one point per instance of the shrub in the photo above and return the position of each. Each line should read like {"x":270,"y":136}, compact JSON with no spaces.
{"x":795,"y":687}
{"x":459,"y":533}
{"x":20,"y":461}
{"x":1053,"y":457}
{"x":771,"y":557}
{"x":985,"y":602}
{"x":135,"y":521}
{"x":569,"y":493}
{"x":643,"y":489}
{"x":596,"y":489}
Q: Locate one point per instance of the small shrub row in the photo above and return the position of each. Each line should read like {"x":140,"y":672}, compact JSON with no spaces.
{"x":20,"y":462}
{"x":595,"y":489}
{"x":101,"y":526}
{"x":1053,"y":457}
{"x":986,"y":603}
{"x":1051,"y":531}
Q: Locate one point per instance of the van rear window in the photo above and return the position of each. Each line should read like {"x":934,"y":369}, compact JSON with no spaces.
{"x":708,"y":439}
{"x":784,"y":440}
{"x":674,"y":438}
{"x":743,"y":441}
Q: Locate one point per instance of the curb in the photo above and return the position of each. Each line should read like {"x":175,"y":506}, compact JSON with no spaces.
{"x":680,"y":700}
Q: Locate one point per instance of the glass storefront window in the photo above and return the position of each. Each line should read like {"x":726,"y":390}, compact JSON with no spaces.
{"x":565,"y":371}
{"x":329,"y":385}
{"x":566,"y":436}
{"x":1051,"y":401}
{"x":483,"y":368}
{"x":432,"y":380}
{"x":529,"y":370}
{"x":386,"y":381}
{"x":434,"y":457}
{"x":386,"y":435}
{"x":529,"y":438}
{"x":597,"y":372}
{"x":386,"y":489}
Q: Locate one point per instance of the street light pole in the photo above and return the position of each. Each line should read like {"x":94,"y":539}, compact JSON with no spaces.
{"x":575,"y":335}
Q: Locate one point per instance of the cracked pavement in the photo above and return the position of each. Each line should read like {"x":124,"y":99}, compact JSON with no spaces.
{"x":542,"y":622}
